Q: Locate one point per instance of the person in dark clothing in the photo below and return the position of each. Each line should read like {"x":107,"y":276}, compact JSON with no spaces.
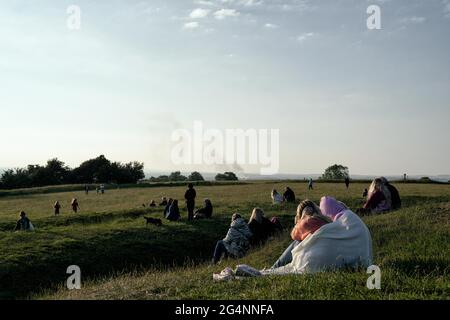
{"x":365,"y":193}
{"x":190,"y":200}
{"x":23,"y":224}
{"x":163,"y":202}
{"x":289,"y":195}
{"x":75,"y":205}
{"x":57,"y":207}
{"x":347,"y":182}
{"x":152,"y":203}
{"x":174,"y":212}
{"x":167,"y":207}
{"x":395,"y":196}
{"x":86,"y":189}
{"x":261,"y":227}
{"x":205,"y":212}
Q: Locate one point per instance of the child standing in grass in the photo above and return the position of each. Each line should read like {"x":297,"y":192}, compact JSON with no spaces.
{"x":57,"y":206}
{"x":75,"y":205}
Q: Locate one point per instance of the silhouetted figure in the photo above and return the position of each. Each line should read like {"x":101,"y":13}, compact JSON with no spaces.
{"x":205,"y":212}
{"x":57,"y":207}
{"x":75,"y":205}
{"x":174,"y":212}
{"x":23,"y":224}
{"x":152,"y":203}
{"x":396,"y":202}
{"x":347,"y":182}
{"x":289,"y":195}
{"x":86,"y":189}
{"x":365,"y":193}
{"x":190,"y":200}
{"x":163,"y":202}
{"x":261,"y":227}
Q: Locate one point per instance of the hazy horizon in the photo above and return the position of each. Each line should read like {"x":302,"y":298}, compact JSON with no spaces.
{"x":376,"y":101}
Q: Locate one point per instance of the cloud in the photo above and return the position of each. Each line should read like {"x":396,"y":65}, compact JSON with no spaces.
{"x":199,"y":13}
{"x":271,"y":26}
{"x":305,"y":36}
{"x":225,"y":13}
{"x":191,"y":25}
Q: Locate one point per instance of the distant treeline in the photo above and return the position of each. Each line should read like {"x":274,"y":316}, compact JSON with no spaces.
{"x":194,"y":176}
{"x":55,"y":172}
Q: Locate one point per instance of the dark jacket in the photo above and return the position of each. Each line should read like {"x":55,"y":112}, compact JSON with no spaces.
{"x":22,"y":224}
{"x":190,"y":195}
{"x":395,"y":196}
{"x":207,"y":210}
{"x":173,"y":213}
{"x":289,"y":195}
{"x":261,"y":231}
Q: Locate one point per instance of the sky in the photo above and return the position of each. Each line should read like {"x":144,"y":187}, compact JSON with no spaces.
{"x":377,"y":101}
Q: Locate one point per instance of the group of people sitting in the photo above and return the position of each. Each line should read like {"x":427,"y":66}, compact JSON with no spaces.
{"x":381,"y":197}
{"x":324,"y":237}
{"x":172,"y":210}
{"x":287,"y":196}
{"x":242,"y":235}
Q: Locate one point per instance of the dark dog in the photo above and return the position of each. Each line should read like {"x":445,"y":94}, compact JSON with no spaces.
{"x":156,"y":222}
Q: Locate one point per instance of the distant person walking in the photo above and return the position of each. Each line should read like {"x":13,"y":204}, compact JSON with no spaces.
{"x":75,"y":205}
{"x":57,"y":207}
{"x":310,"y":184}
{"x":86,"y":189}
{"x":102,"y":188}
{"x":189,"y":196}
{"x":23,"y":224}
{"x":347,"y":182}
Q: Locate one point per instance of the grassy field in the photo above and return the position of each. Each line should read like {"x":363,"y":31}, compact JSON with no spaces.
{"x":121,"y":258}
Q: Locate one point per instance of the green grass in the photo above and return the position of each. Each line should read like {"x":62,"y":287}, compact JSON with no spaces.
{"x":121,"y":258}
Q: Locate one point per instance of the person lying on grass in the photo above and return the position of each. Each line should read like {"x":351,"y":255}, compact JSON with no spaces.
{"x":205,"y":212}
{"x":261,"y":227}
{"x":237,"y":241}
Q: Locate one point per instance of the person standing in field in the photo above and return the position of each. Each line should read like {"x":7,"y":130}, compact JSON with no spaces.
{"x":86,"y":189}
{"x":347,"y":182}
{"x":190,"y":195}
{"x":310,"y":184}
{"x":75,"y":205}
{"x":57,"y":207}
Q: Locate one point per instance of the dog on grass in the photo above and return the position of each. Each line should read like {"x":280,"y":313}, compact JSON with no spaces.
{"x":156,"y":222}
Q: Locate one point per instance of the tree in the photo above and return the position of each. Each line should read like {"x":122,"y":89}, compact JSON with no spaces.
{"x":195,"y":176}
{"x":227,"y":176}
{"x":336,"y":172}
{"x":177,"y":176}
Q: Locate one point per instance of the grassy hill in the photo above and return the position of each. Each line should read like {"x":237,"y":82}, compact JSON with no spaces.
{"x":121,"y":258}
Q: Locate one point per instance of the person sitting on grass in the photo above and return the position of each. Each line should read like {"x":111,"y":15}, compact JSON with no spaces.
{"x":205,"y":212}
{"x":152,"y":204}
{"x":261,"y":227}
{"x":276,"y":197}
{"x":237,"y":241}
{"x":395,"y":196}
{"x":163,"y":202}
{"x":167,"y":207}
{"x":75,"y":205}
{"x":309,"y":219}
{"x":174,"y":212}
{"x":289,"y":195}
{"x":378,"y":199}
{"x":23,"y":224}
{"x":57,"y":207}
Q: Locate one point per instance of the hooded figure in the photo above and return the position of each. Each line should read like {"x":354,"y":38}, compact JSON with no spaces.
{"x":332,"y":208}
{"x":237,"y":240}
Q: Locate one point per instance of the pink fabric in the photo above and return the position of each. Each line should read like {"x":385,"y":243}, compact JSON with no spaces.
{"x":305,"y":227}
{"x":331,"y":207}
